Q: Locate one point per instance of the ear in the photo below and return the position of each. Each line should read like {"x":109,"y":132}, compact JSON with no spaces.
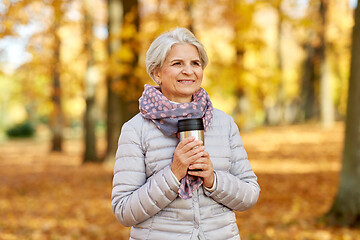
{"x":157,"y":75}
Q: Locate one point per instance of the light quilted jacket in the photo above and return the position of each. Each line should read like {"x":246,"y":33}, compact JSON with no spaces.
{"x":145,"y":193}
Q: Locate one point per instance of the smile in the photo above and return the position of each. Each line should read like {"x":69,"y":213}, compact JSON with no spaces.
{"x":186,"y":81}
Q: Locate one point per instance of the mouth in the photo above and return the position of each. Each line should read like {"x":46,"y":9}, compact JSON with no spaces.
{"x":186,"y":81}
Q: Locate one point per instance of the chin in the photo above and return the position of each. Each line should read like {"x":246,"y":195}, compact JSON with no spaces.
{"x":188,"y":93}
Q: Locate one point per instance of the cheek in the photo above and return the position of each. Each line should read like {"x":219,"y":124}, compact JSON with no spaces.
{"x":170,"y":73}
{"x":199,"y":74}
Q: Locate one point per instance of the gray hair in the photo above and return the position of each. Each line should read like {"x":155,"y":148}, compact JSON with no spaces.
{"x":161,"y":46}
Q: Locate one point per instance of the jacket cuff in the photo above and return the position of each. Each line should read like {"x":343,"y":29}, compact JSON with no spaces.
{"x":171,"y":179}
{"x":177,"y":181}
{"x":214,"y":185}
{"x":208,"y":191}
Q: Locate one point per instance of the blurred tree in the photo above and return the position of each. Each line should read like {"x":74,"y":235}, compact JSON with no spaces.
{"x":56,"y":121}
{"x":37,"y":74}
{"x":310,"y":72}
{"x":10,"y":17}
{"x":317,"y":102}
{"x":123,"y":84}
{"x":339,"y":23}
{"x":16,"y":16}
{"x":189,"y":9}
{"x":275,"y":111}
{"x":91,"y":80}
{"x":326,"y":99}
{"x":345,"y":210}
{"x":309,"y":83}
{"x":280,"y":104}
{"x":114,"y":103}
{"x":242,"y":17}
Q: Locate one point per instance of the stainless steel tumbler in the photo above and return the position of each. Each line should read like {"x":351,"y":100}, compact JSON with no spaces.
{"x":191,"y":127}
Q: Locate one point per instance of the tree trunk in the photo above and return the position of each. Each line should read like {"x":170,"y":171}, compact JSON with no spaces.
{"x":275,"y":112}
{"x":57,"y":115}
{"x":189,"y":7}
{"x":326,"y":100}
{"x":90,"y":153}
{"x":316,"y":88}
{"x":115,"y":13}
{"x":121,"y":107}
{"x":346,"y":207}
{"x":91,"y":80}
{"x":308,"y":94}
{"x":243,"y":111}
{"x":327,"y":111}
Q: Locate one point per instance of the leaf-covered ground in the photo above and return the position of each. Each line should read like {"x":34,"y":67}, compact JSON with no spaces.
{"x":52,"y":196}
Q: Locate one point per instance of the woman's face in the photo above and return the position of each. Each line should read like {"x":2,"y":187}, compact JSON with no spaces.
{"x":181,"y":74}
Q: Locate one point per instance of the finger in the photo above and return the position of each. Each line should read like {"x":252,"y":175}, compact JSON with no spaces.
{"x":192,"y":157}
{"x":192,"y":148}
{"x":188,"y":145}
{"x":181,"y":147}
{"x":186,"y":158}
{"x":186,"y":141}
{"x":193,"y":144}
{"x":200,"y":171}
{"x":201,"y":163}
{"x":197,"y":149}
{"x":206,"y":154}
{"x":197,"y":167}
{"x":202,"y":160}
{"x":197,"y":172}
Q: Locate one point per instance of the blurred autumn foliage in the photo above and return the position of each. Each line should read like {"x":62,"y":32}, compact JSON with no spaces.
{"x":53,"y":196}
{"x":270,"y":61}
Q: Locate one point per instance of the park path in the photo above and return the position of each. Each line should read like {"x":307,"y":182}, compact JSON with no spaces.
{"x":53,"y":196}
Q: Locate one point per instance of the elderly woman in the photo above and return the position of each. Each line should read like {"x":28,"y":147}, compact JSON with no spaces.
{"x":156,"y":189}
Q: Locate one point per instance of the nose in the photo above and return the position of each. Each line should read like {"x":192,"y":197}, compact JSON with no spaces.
{"x":187,"y":69}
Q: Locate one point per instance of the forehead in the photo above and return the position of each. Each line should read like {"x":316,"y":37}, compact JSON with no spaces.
{"x":183,"y":51}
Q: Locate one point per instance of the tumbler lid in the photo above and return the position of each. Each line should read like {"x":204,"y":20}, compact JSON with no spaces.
{"x":189,"y":124}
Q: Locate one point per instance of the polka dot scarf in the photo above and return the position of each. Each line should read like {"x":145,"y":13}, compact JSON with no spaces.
{"x":155,"y":106}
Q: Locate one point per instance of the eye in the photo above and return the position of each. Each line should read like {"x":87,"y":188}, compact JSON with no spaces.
{"x":197,"y":63}
{"x":175,"y":63}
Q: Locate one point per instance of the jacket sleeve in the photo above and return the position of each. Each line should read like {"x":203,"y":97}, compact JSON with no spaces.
{"x":237,"y":189}
{"x":135,"y":197}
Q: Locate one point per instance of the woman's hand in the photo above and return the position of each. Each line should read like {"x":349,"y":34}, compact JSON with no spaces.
{"x":187,"y":152}
{"x":205,"y":165}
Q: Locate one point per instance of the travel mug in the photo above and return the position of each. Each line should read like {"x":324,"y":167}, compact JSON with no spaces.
{"x":191,"y":127}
